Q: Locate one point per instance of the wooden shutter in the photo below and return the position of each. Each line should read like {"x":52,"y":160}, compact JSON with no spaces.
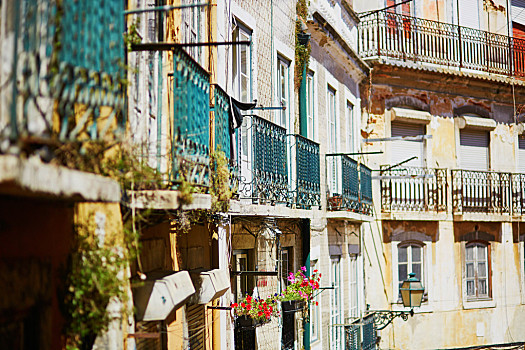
{"x":195,"y":316}
{"x":474,"y":150}
{"x":469,"y":13}
{"x":403,"y":150}
{"x":521,"y":154}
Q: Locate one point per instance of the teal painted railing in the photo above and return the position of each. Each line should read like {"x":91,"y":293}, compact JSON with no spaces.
{"x":223,"y":136}
{"x":67,"y":60}
{"x":267,"y":181}
{"x":361,"y":334}
{"x":308,"y":184}
{"x":356,"y":186}
{"x":191,"y":115}
{"x":365,"y":189}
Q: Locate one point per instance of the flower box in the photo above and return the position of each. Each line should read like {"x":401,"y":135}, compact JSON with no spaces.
{"x":293,"y":305}
{"x":248,"y":322}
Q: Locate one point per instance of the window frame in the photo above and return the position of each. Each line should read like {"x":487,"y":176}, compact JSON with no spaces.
{"x":333,"y":163}
{"x":283,"y":97}
{"x":336,"y":304}
{"x":310,"y":106}
{"x":241,"y":32}
{"x":488,"y":261}
{"x":350,"y":127}
{"x":353,"y":286}
{"x":238,"y":280}
{"x":192,"y":29}
{"x":409,"y":263}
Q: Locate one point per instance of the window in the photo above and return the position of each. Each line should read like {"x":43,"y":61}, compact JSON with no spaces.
{"x":350,"y":127}
{"x":353,"y":287}
{"x":403,"y":9}
{"x":332,"y":141}
{"x":243,"y":284}
{"x":477,"y":271}
{"x":474,"y":149}
{"x":286,"y":264}
{"x":310,"y":132}
{"x":314,"y":310}
{"x":282,"y":90}
{"x":409,"y":260}
{"x":191,"y":28}
{"x":521,"y":154}
{"x":336,"y":332}
{"x":402,"y":150}
{"x":242,"y":64}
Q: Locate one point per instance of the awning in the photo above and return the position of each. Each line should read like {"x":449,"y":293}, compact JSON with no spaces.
{"x":160,"y":294}
{"x":209,"y":285}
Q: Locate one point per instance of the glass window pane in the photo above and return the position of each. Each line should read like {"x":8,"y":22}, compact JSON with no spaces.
{"x":416,"y":268}
{"x":481,"y":253}
{"x":402,"y":254}
{"x":470,"y":270}
{"x":482,"y":270}
{"x":402,"y":272}
{"x":470,"y":288}
{"x":482,"y":287}
{"x":416,"y":253}
{"x":470,"y":253}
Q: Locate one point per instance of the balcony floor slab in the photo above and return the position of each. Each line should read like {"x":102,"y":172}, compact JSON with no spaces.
{"x":167,"y":199}
{"x":32,"y":178}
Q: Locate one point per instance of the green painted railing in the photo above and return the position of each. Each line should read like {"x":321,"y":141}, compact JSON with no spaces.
{"x":308,"y":184}
{"x":191,"y":137}
{"x":267,"y":182}
{"x":356,"y":186}
{"x":67,"y":61}
{"x":223,"y":136}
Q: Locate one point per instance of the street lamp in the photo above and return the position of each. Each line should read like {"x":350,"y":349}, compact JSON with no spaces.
{"x":412,"y":295}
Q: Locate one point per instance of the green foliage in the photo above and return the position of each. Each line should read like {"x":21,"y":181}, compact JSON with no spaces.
{"x":302,"y":52}
{"x":96,"y":276}
{"x":220,"y":182}
{"x":132,"y":36}
{"x":108,"y":159}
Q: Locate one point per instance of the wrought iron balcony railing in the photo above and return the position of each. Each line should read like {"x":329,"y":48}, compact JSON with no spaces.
{"x":518,"y":194}
{"x":264,"y":173}
{"x":414,"y":189}
{"x":350,"y":185}
{"x":66,"y":70}
{"x":191,"y":121}
{"x":391,"y":35}
{"x":306,"y":189}
{"x":361,"y":333}
{"x":223,"y":136}
{"x":483,"y":192}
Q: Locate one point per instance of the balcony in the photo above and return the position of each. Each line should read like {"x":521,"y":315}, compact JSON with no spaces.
{"x":486,"y":192}
{"x":412,"y":189}
{"x":389,"y":35}
{"x":264,"y":162}
{"x":65,"y":78}
{"x":191,"y":121}
{"x":350,"y":185}
{"x":306,"y":184}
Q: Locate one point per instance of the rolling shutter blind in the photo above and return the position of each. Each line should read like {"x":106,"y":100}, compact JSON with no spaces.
{"x":474,"y":150}
{"x":518,"y":11}
{"x":195,"y":316}
{"x":469,"y":13}
{"x":403,"y":150}
{"x":521,"y":154}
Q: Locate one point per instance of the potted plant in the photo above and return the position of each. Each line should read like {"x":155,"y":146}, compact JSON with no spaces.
{"x":300,"y":290}
{"x":253,"y":312}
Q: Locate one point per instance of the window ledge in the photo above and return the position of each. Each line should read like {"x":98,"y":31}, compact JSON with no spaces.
{"x":479,"y":304}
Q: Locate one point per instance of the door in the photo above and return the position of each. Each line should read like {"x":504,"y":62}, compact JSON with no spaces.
{"x":336,"y":328}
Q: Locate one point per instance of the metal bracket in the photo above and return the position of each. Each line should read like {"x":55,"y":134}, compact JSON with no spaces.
{"x":384,"y":317}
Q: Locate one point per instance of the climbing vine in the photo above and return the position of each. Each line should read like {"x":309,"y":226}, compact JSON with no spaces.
{"x":302,"y":50}
{"x":96,"y":276}
{"x":220,"y":182}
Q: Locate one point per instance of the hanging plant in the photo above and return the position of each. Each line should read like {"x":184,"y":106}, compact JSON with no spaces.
{"x":301,"y":287}
{"x":259,"y":310}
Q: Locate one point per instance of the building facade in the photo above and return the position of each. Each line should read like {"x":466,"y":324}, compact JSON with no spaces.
{"x":448,"y":204}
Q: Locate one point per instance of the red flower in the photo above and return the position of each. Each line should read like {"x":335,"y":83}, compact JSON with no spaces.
{"x":315,"y":271}
{"x":260,"y":313}
{"x":234,"y":305}
{"x":248,"y":307}
{"x":249,"y":299}
{"x":243,"y":305}
{"x":316,"y":303}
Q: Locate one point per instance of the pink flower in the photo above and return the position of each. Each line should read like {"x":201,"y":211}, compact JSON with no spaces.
{"x":303,"y":268}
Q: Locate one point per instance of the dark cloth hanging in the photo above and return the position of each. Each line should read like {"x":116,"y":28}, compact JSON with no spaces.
{"x":235,"y":112}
